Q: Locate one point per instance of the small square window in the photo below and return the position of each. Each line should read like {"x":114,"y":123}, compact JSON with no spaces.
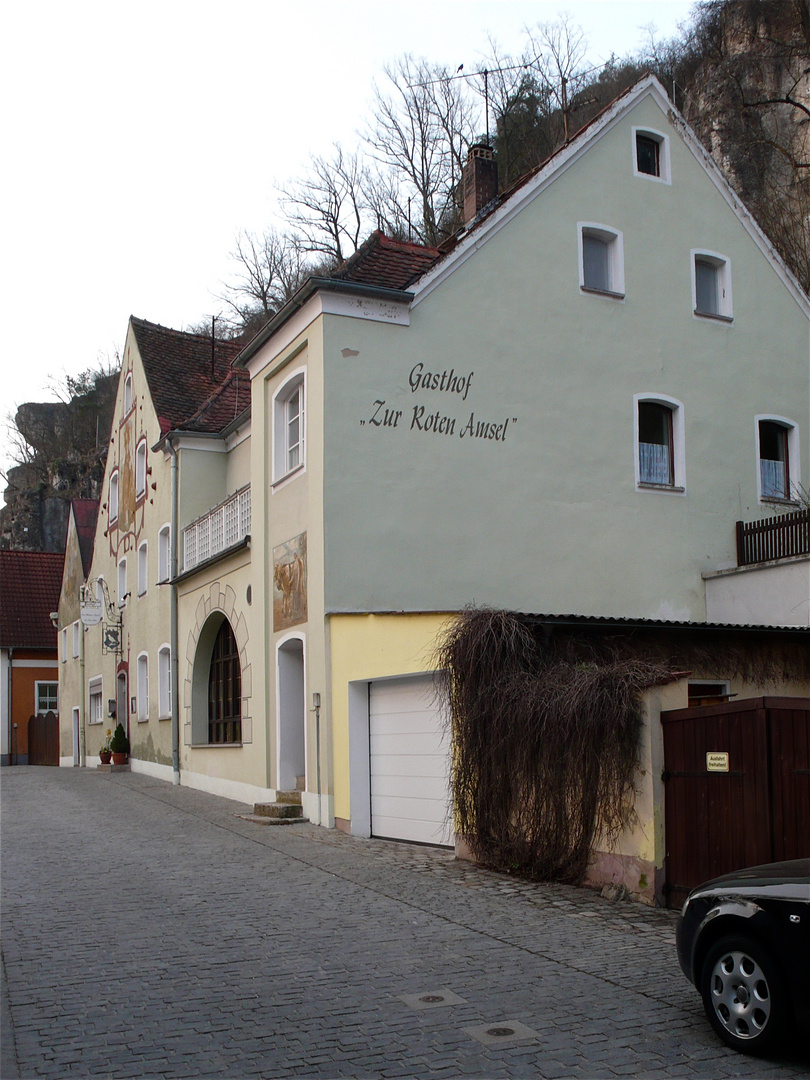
{"x":47,"y":697}
{"x":651,"y":155}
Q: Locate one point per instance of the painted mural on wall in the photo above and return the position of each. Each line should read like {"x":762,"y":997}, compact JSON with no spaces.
{"x":290,"y":583}
{"x":448,"y":419}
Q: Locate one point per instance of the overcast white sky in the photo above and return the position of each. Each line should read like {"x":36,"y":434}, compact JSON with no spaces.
{"x":140,"y":137}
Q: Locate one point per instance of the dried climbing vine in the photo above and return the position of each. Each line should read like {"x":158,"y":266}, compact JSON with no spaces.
{"x":546,"y":743}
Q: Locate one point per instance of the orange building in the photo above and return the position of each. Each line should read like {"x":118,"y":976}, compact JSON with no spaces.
{"x":30,"y":582}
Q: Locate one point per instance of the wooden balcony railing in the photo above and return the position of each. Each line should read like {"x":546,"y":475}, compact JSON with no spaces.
{"x":773,"y":538}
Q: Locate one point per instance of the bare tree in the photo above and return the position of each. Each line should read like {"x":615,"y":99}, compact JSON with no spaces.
{"x":419,"y":132}
{"x":557,"y":65}
{"x":328,"y":205}
{"x":269,"y":269}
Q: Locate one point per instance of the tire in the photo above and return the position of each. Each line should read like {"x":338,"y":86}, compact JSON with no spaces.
{"x":743,"y":995}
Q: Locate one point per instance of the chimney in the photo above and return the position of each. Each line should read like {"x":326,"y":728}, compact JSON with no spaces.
{"x":480,"y":180}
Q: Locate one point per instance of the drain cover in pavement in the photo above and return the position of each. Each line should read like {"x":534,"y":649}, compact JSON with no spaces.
{"x":432,"y":999}
{"x":506,"y":1033}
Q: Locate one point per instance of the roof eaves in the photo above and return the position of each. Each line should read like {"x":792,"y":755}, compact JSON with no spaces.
{"x":310,"y":287}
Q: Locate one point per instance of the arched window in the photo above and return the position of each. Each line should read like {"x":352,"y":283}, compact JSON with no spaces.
{"x":601,"y":260}
{"x":140,"y":469}
{"x":778,"y":453}
{"x":127,"y":394}
{"x":659,"y":443}
{"x":114,"y":496}
{"x":225,"y":689}
{"x":288,"y":420}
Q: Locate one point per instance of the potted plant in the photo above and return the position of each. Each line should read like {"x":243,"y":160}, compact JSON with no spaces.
{"x":105,"y":753}
{"x":119,"y":745}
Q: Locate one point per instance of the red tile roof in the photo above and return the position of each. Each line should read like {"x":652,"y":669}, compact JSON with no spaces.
{"x":30,"y":583}
{"x":85,"y":513}
{"x":391,"y":264}
{"x":191,"y":389}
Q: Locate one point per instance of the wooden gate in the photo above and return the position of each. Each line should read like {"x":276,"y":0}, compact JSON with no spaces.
{"x":737,"y":788}
{"x":43,"y":739}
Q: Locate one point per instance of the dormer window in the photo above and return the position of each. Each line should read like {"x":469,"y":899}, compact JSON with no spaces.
{"x":128,"y":394}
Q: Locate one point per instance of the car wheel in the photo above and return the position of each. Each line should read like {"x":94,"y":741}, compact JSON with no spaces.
{"x":743,"y":995}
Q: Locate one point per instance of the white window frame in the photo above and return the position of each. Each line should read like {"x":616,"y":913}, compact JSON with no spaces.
{"x":164,"y":682}
{"x":281,"y":446}
{"x":722,"y":266}
{"x":128,"y":397}
{"x":615,"y":253}
{"x":794,"y":457}
{"x":95,"y":694}
{"x":122,"y":582}
{"x":45,"y":682}
{"x":143,"y":568}
{"x":664,"y":173}
{"x":723,"y":687}
{"x":140,"y":469}
{"x":76,"y":626}
{"x":113,"y":496}
{"x":164,"y":553}
{"x":143,"y":687}
{"x":678,"y":486}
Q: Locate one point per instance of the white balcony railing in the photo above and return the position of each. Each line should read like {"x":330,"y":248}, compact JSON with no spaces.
{"x":221,"y":528}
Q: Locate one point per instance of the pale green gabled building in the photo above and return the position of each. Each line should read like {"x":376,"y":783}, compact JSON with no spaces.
{"x":565,"y":412}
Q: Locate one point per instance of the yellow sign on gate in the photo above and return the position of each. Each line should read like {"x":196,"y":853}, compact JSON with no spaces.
{"x":717,"y":761}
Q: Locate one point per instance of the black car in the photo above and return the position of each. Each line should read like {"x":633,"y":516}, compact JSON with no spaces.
{"x":744,"y":941}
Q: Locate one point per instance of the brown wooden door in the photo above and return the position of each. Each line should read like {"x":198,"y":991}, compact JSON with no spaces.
{"x":43,"y":739}
{"x":755,"y":809}
{"x":790,"y":768}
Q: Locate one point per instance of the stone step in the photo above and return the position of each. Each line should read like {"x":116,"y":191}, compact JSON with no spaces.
{"x":263,"y":819}
{"x":289,"y":797}
{"x":278,"y":810}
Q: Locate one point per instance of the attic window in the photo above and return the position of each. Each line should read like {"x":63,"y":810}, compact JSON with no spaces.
{"x":651,"y":155}
{"x":128,"y":394}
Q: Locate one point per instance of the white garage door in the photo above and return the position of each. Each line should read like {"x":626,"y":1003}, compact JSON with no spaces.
{"x":410,"y":763}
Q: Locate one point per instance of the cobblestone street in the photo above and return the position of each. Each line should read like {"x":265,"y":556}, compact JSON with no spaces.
{"x":148,"y":931}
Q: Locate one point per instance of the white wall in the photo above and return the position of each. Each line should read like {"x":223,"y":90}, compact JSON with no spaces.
{"x":775,"y":594}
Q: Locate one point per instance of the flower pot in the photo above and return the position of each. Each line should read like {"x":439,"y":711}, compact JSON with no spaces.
{"x":106,"y":757}
{"x":119,"y":759}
